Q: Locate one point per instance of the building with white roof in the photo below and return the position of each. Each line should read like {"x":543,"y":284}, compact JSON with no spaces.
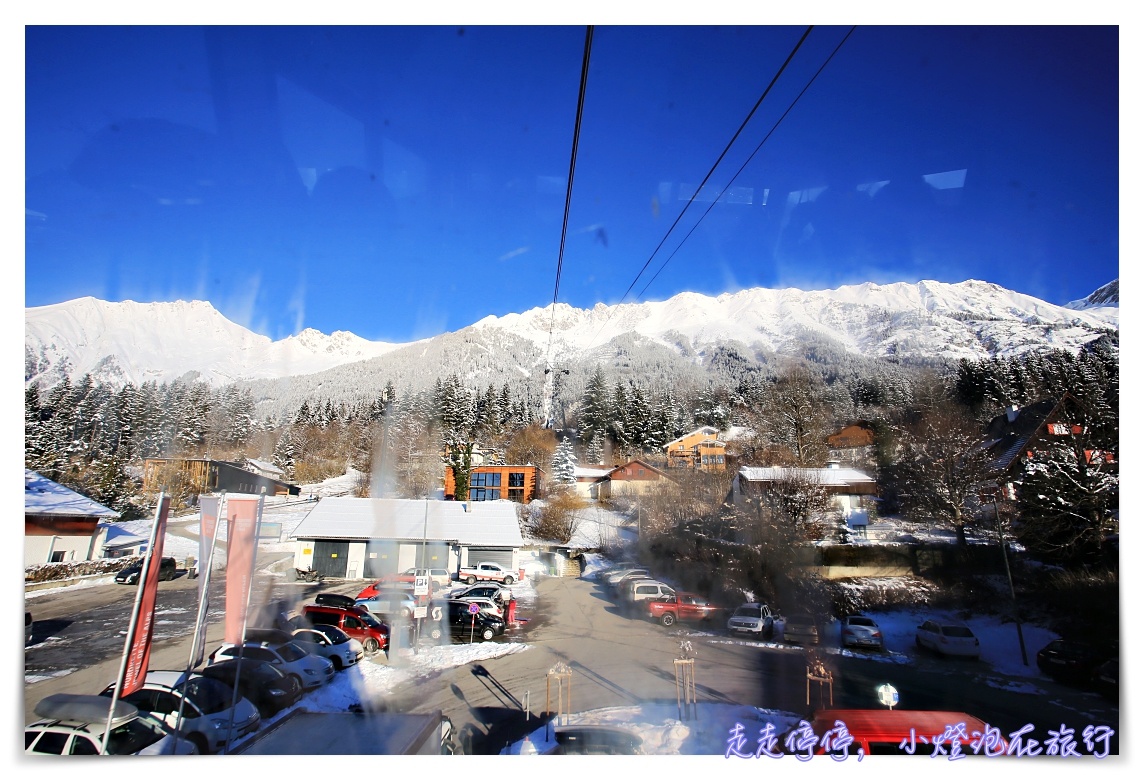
{"x":59,"y":523}
{"x":366,"y":538}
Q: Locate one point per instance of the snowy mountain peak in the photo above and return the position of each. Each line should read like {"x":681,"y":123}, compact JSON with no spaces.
{"x":1107,"y":295}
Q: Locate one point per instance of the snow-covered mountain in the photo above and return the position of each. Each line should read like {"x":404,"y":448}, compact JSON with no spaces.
{"x":1108,"y":295}
{"x":139,"y":342}
{"x":685,"y":336}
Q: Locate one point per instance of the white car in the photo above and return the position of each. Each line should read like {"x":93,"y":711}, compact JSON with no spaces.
{"x":207,"y":714}
{"x":752,"y":619}
{"x":861,"y":631}
{"x":488,"y":606}
{"x":331,"y":643}
{"x":73,"y":724}
{"x":310,"y":671}
{"x":389,"y":603}
{"x":947,"y":637}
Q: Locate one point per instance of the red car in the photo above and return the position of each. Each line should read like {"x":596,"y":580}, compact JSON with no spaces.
{"x":687,"y":607}
{"x":355,"y":621}
{"x":403,"y":581}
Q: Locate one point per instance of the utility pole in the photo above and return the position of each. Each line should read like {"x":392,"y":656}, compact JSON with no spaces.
{"x":1009,"y":575}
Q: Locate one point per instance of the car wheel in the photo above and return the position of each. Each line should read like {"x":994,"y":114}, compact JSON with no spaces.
{"x":668,"y":619}
{"x":471,"y":580}
{"x":509,"y":580}
{"x":337,"y":663}
{"x":487,"y":634}
{"x":371,"y":645}
{"x":200,"y":743}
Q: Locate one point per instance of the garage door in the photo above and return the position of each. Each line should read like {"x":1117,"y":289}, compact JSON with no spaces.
{"x":331,"y":558}
{"x":380,"y":559}
{"x":491,"y":555}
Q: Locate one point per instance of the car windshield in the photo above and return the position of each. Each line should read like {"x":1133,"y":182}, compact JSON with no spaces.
{"x":209,"y":695}
{"x":334,"y":634}
{"x":290,"y":652}
{"x":862,"y":621}
{"x":129,"y":738}
{"x":748,"y":612}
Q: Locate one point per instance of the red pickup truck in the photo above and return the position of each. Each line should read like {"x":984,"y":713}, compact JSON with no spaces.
{"x":687,"y":607}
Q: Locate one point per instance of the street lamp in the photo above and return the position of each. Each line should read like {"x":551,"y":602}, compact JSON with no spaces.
{"x":1009,"y":574}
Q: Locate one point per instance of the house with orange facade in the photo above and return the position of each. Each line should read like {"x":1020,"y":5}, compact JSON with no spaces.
{"x":701,"y":449}
{"x":494,"y":482}
{"x":636,"y":478}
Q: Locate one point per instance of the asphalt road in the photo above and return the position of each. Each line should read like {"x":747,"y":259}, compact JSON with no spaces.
{"x":615,"y":660}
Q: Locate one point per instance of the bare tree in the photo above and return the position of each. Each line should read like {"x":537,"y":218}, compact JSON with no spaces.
{"x":795,"y":417}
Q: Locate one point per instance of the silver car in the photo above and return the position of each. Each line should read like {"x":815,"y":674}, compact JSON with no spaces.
{"x":204,"y":704}
{"x":861,"y":631}
{"x":310,"y":671}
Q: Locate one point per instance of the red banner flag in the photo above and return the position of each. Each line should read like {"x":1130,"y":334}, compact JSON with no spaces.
{"x":139,"y":656}
{"x":243,"y":514}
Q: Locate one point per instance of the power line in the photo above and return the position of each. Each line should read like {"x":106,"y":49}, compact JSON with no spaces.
{"x":710,"y":172}
{"x":564,"y":228}
{"x":770,"y":132}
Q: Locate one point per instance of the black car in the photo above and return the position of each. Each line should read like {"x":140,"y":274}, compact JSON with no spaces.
{"x":1068,"y":661}
{"x":1106,"y":679}
{"x":464,"y":626}
{"x":267,"y":688}
{"x":129,"y":575}
{"x":334,"y":600}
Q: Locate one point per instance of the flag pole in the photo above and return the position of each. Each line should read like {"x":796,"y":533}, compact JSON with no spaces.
{"x":245,"y":613}
{"x":195,"y":655}
{"x":140,"y":584}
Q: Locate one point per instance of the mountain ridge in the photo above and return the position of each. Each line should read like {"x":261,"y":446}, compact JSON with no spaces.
{"x":921,"y":321}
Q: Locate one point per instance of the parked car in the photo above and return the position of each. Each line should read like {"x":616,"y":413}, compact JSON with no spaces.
{"x":640,"y":591}
{"x":263,"y":683}
{"x":334,"y":600}
{"x":207,"y":714}
{"x":1070,"y":661}
{"x":752,"y":619}
{"x":861,"y":631}
{"x":800,"y":630}
{"x":129,"y":575}
{"x":73,"y":724}
{"x":355,"y":621}
{"x":331,"y":643}
{"x":612,"y":578}
{"x":889,"y":732}
{"x":486,"y":570}
{"x":28,"y":633}
{"x":488,"y":606}
{"x":441,"y":578}
{"x":465,"y":626}
{"x":948,"y":638}
{"x":389,"y":604}
{"x":486,"y":591}
{"x":686,"y":607}
{"x":309,"y":670}
{"x":1106,"y":679}
{"x":615,"y":587}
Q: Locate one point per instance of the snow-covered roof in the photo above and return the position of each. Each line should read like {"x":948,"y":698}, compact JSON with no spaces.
{"x":473,"y":523}
{"x":264,"y":465}
{"x":704,"y":429}
{"x":44,"y":497}
{"x":592,"y":472}
{"x":821,"y":476}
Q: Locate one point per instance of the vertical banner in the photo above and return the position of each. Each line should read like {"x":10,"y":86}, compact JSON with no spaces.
{"x":208,"y":519}
{"x":208,"y":536}
{"x":139,"y":654}
{"x":243,"y":515}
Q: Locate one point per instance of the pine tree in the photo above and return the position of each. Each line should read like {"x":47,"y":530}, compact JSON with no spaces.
{"x":564,"y":463}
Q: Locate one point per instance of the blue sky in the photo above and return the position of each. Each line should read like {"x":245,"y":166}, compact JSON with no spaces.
{"x":399,"y":182}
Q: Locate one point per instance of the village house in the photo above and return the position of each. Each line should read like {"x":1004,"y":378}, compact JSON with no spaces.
{"x":701,"y":449}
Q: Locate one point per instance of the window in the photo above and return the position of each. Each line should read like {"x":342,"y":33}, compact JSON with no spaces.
{"x":718,"y":458}
{"x":516,"y":495}
{"x":57,"y":557}
{"x":52,"y":742}
{"x":480,"y":479}
{"x":481,"y":494}
{"x":516,"y":479}
{"x":1058,"y":429}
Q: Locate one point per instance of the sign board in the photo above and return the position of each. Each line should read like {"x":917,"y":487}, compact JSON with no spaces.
{"x":888,"y":695}
{"x":420,"y":584}
{"x":419,"y":612}
{"x":474,"y":609}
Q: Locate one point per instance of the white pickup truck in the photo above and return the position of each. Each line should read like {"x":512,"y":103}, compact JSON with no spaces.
{"x":487,"y":571}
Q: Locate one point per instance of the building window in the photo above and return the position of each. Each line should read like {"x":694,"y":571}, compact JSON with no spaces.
{"x":516,"y":495}
{"x":57,"y":557}
{"x":718,"y":458}
{"x":481,"y":479}
{"x":481,"y":494}
{"x":516,"y":479}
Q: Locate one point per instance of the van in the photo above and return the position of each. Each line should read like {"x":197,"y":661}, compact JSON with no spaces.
{"x":129,"y":575}
{"x":355,"y":621}
{"x":646,"y":590}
